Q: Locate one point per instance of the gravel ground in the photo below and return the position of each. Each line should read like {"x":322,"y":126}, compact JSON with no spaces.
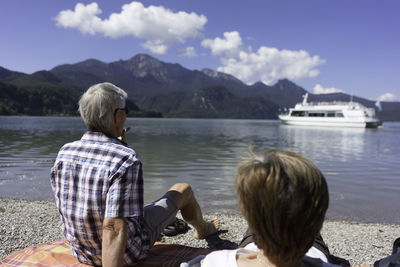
{"x":26,"y":223}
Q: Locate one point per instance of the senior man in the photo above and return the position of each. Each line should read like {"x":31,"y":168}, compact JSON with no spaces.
{"x":98,"y":186}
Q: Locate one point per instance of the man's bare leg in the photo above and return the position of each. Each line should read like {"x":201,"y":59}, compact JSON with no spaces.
{"x":183,"y":195}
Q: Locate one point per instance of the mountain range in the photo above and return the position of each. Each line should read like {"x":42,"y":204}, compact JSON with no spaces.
{"x":157,"y":88}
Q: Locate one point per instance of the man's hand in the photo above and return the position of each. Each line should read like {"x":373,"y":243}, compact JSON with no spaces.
{"x":114,"y":241}
{"x":123,"y":134}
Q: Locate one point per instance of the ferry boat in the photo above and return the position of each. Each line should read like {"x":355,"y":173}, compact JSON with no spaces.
{"x":336,"y":114}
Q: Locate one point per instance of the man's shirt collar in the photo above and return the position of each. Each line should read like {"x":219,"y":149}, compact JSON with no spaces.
{"x":102,"y":138}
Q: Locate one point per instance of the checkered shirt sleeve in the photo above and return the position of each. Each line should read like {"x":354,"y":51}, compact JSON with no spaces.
{"x":125,"y":192}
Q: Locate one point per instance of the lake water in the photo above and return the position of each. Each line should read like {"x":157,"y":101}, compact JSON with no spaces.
{"x":360,"y":165}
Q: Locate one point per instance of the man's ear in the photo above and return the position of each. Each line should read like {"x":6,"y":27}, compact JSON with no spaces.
{"x":115,"y":118}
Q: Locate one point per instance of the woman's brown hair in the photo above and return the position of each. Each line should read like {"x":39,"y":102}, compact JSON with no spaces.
{"x":284,"y":198}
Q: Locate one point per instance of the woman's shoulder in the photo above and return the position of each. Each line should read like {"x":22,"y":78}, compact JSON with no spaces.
{"x":220,"y":258}
{"x":228,"y":257}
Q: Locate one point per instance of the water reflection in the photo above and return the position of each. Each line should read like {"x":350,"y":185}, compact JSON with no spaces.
{"x":361,"y":165}
{"x":327,"y":143}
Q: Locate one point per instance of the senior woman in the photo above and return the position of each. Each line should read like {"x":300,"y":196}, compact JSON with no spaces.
{"x":284,"y":198}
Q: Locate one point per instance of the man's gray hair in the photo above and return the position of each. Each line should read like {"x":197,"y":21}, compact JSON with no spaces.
{"x":98,"y":104}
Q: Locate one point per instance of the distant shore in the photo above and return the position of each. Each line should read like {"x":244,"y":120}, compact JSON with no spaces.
{"x":27,"y":223}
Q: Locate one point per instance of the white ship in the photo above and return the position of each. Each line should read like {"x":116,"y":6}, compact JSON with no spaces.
{"x":336,"y":114}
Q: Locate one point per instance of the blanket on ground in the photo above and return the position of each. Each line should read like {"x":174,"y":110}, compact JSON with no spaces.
{"x":58,"y":253}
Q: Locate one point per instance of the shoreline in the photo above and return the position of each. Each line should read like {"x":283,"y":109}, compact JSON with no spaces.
{"x":26,"y":223}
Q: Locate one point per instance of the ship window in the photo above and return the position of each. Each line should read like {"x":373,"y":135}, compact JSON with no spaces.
{"x":316,"y":114}
{"x":331,"y":114}
{"x":339,"y":114}
{"x":297,"y":113}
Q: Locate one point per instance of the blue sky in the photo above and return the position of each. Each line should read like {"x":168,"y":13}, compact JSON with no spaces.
{"x":321,"y":45}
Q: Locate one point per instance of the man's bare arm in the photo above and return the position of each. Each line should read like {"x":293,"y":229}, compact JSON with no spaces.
{"x":114,"y":241}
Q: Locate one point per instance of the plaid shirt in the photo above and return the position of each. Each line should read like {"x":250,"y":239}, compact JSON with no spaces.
{"x":94,"y":178}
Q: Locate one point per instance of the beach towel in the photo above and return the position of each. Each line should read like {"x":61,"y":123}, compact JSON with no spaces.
{"x":58,"y":253}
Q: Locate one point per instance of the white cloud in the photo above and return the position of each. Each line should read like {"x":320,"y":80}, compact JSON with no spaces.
{"x":156,"y":47}
{"x":318,"y":89}
{"x":158,"y":26}
{"x":267,"y":64}
{"x":387,"y":97}
{"x":187,"y":52}
{"x":229,"y":46}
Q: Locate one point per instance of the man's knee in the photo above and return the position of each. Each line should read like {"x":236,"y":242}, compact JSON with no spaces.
{"x":182,"y":193}
{"x":182,"y":188}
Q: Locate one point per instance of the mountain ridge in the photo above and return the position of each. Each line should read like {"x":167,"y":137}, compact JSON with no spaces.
{"x":173,"y":90}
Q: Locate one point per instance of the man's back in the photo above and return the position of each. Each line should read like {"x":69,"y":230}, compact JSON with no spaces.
{"x":93,"y":178}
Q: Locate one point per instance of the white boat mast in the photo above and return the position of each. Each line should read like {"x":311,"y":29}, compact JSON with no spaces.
{"x":305,"y":99}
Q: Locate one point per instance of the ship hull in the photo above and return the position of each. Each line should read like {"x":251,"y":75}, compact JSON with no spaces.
{"x":329,"y":122}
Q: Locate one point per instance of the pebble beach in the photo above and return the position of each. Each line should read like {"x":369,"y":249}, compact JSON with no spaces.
{"x":27,"y":223}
